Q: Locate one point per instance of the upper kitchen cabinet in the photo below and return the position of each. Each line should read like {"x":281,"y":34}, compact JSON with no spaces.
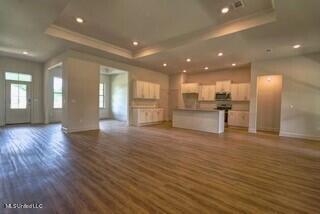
{"x":223,"y":86}
{"x":189,"y":88}
{"x":207,"y":93}
{"x":240,"y":92}
{"x":146,"y":90}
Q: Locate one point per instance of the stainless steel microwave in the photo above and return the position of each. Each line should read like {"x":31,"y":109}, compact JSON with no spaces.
{"x":223,"y":96}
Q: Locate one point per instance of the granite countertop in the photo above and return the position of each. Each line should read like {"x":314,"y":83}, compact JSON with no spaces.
{"x":197,"y":109}
{"x":145,"y":107}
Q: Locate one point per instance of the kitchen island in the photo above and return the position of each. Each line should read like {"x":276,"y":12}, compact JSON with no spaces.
{"x":207,"y":120}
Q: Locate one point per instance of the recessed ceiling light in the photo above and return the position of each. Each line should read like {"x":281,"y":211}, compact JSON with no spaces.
{"x":234,"y":64}
{"x":135,"y":43}
{"x":25,"y":52}
{"x":164,"y":64}
{"x":296,"y":46}
{"x":220,"y":54}
{"x":206,"y":68}
{"x":188,"y":60}
{"x":184,"y":71}
{"x":79,"y":20}
{"x":225,"y":10}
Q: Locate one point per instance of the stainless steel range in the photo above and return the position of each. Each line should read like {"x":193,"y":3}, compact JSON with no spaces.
{"x":226,"y":106}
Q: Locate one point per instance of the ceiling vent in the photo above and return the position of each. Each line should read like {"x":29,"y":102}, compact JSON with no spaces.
{"x":238,"y":4}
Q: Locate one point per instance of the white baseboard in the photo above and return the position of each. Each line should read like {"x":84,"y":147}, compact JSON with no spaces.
{"x":268,"y":129}
{"x":82,"y":129}
{"x":301,"y":136}
{"x":252,"y":130}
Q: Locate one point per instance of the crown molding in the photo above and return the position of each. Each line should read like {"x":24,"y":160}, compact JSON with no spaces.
{"x":63,"y":33}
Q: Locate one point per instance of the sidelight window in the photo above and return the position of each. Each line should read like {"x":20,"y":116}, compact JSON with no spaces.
{"x":101,"y":96}
{"x":57,"y":92}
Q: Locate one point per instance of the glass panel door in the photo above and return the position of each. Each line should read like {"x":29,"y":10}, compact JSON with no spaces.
{"x":18,"y":102}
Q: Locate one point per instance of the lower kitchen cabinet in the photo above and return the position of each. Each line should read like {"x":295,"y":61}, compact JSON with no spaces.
{"x":147,"y":116}
{"x":238,"y":118}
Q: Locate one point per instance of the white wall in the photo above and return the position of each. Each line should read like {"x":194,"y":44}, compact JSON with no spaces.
{"x":23,"y":66}
{"x":105,"y":112}
{"x":81,"y":92}
{"x":300,"y":103}
{"x":55,"y":115}
{"x":119,"y":96}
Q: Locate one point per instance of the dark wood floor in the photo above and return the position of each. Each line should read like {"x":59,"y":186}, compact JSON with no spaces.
{"x":157,"y":170}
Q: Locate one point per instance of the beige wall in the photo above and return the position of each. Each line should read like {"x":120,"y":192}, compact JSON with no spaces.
{"x":135,"y":73}
{"x":23,"y":66}
{"x":269,"y":89}
{"x":81,"y":92}
{"x":236,"y":75}
{"x":300,"y":103}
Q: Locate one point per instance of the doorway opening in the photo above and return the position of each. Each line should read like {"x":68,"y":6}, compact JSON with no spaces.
{"x":18,"y":98}
{"x":113,"y":94}
{"x":269,"y":89}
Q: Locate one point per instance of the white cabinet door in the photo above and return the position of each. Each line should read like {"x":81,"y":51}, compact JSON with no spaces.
{"x":238,"y":118}
{"x":242,"y":91}
{"x":147,"y":116}
{"x":150,"y":115}
{"x":235,"y":91}
{"x":212,"y":93}
{"x":207,"y":93}
{"x":155,"y":115}
{"x":232,"y":118}
{"x":146,"y":92}
{"x":138,"y":89}
{"x":190,"y":88}
{"x":243,"y":119}
{"x":157,"y":91}
{"x":151,"y":91}
{"x":202,"y":93}
{"x":141,"y":116}
{"x":223,"y":86}
{"x":160,"y":116}
{"x":219,"y":86}
{"x":247,"y":91}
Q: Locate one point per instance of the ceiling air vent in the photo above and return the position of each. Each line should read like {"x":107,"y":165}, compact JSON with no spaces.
{"x":238,"y":4}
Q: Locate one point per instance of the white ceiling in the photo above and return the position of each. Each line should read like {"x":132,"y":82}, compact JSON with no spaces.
{"x":148,"y":21}
{"x":175,"y":29}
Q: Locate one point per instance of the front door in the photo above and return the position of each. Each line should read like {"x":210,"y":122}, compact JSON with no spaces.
{"x":18,"y":102}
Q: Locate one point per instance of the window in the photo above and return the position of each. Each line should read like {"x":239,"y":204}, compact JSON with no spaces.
{"x":101,"y":95}
{"x":57,"y":92}
{"x":18,"y":77}
{"x":18,"y":96}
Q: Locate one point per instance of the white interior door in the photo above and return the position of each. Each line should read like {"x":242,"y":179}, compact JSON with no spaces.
{"x":18,"y":102}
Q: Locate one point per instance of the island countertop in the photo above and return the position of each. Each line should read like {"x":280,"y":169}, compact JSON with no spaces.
{"x":206,"y":120}
{"x":197,"y":109}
